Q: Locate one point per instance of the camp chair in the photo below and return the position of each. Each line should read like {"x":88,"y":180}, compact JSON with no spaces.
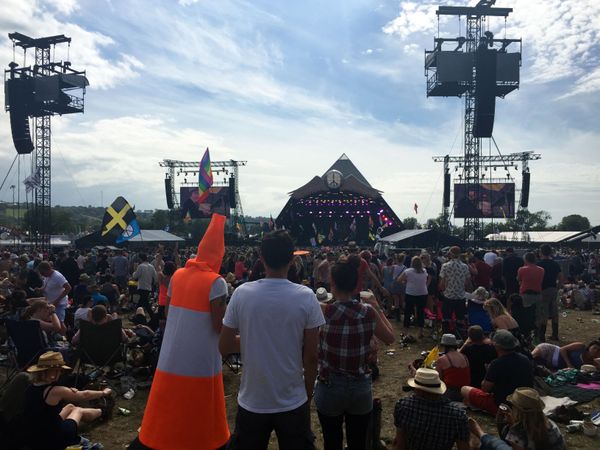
{"x":26,"y":343}
{"x":13,"y":426}
{"x":100,"y":345}
{"x":233,"y":361}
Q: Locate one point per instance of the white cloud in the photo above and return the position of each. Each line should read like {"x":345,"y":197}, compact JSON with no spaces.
{"x":37,"y":18}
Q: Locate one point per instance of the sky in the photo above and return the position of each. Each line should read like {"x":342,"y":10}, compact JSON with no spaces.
{"x":290,"y":86}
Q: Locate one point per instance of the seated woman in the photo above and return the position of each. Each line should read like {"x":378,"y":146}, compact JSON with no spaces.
{"x":100,"y":316}
{"x":500,"y":317}
{"x":45,"y":314}
{"x":343,"y":391}
{"x":476,"y":311}
{"x":528,"y":427}
{"x":570,"y":356}
{"x":453,"y":367}
{"x":49,"y":408}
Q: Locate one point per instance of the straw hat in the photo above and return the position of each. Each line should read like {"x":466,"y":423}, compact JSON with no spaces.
{"x":230,"y":278}
{"x":526,"y":399}
{"x":84,"y":277}
{"x":323,"y":295}
{"x":49,"y":360}
{"x":427,"y":380}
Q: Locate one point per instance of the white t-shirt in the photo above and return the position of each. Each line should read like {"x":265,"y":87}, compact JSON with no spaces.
{"x":416,"y":283}
{"x":53,"y":286}
{"x":271,"y":315}
{"x":81,"y":314}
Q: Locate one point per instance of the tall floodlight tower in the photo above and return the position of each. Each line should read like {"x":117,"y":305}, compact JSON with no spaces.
{"x":479,"y":68}
{"x":38,"y":92}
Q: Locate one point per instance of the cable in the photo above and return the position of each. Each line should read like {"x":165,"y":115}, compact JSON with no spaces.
{"x":8,"y":173}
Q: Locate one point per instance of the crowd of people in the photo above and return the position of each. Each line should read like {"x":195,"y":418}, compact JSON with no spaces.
{"x":308,"y":324}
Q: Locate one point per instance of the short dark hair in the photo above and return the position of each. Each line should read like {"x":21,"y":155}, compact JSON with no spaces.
{"x":143,"y":257}
{"x":98,"y":313}
{"x":344,"y":274}
{"x":277,"y":249}
{"x":530,"y":257}
{"x":475,"y":332}
{"x":169,"y":268}
{"x":546,"y":250}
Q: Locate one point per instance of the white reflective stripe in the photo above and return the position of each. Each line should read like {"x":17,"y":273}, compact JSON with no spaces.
{"x":190,"y":346}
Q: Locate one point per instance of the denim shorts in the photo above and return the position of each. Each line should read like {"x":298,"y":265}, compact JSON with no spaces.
{"x":341,"y":394}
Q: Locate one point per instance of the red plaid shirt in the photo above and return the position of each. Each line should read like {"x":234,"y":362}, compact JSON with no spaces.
{"x":345,"y":339}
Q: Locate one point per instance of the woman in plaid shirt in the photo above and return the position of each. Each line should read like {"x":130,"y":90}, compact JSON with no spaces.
{"x":343,"y":389}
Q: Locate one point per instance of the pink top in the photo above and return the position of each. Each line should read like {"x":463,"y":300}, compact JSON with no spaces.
{"x":530,"y":278}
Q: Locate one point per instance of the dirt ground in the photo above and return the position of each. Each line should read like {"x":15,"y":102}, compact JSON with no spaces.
{"x":577,"y":326}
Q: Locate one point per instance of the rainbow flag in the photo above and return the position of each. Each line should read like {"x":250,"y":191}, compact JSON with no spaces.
{"x":205,"y":177}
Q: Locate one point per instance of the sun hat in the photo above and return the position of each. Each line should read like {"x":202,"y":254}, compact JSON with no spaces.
{"x":84,"y":277}
{"x":427,"y":380}
{"x":481,"y":293}
{"x":323,"y":295}
{"x":49,"y":360}
{"x":449,"y":340}
{"x":526,"y":399}
{"x":588,"y":368}
{"x":505,"y":340}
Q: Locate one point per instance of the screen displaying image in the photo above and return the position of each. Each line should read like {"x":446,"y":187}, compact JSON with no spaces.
{"x":217,"y":201}
{"x":486,"y":200}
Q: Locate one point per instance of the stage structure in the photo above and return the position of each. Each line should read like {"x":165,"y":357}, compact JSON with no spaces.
{"x":39,"y":92}
{"x":338,"y":207}
{"x":226,"y":175}
{"x":479,"y":68}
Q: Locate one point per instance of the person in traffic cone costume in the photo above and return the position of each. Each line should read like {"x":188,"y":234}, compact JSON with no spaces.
{"x":186,"y":406}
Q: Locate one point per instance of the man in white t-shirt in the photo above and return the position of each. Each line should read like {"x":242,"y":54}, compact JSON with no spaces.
{"x":55,"y":288}
{"x":278,"y":323}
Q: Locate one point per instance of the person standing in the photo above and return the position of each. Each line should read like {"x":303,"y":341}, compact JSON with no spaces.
{"x":146,"y":276}
{"x":416,"y":279}
{"x":120,"y":269}
{"x":530,"y":278}
{"x":552,"y":276}
{"x":186,"y":406}
{"x":278,"y":323}
{"x":55,"y":288}
{"x":344,"y":391}
{"x":454,"y":277}
{"x":510,"y":266}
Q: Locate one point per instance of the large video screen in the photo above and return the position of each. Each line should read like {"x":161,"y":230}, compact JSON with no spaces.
{"x":216,"y":202}
{"x":486,"y":200}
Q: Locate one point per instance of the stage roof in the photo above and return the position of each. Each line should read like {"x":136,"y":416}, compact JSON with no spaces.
{"x":155,"y":236}
{"x":545,"y":237}
{"x":347,"y":167}
{"x":421,"y":239}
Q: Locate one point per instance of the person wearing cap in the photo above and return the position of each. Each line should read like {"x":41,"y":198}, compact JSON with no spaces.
{"x":454,"y":278}
{"x":428,"y":420}
{"x":506,"y":373}
{"x":278,"y":325}
{"x":453,"y":367}
{"x":344,"y":391}
{"x":49,"y":408}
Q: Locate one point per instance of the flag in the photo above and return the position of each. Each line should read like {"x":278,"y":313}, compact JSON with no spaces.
{"x":314,"y":227}
{"x":432,"y":357}
{"x":371,"y":223}
{"x":371,"y":235}
{"x":271,"y":223}
{"x":416,"y":208}
{"x":119,"y":221}
{"x":33,"y":181}
{"x":205,"y":177}
{"x":320,"y":238}
{"x":353,"y":225}
{"x":330,"y":236}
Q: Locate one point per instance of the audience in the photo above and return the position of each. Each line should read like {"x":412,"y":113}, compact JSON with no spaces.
{"x":480,"y":352}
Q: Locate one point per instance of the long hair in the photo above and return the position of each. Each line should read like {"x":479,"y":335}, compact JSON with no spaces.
{"x":36,"y":305}
{"x":494,"y":308}
{"x":535,"y":425}
{"x":416,"y":264}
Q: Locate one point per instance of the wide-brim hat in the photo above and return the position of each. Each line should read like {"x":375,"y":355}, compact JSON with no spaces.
{"x":84,"y":277}
{"x":230,"y":278}
{"x":49,"y":360}
{"x":526,"y":399}
{"x":427,"y":380}
{"x":323,"y":295}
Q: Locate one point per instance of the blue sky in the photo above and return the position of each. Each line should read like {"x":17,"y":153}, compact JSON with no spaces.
{"x":290,"y":86}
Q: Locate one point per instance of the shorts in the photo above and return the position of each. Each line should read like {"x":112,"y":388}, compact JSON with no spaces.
{"x":483,"y":400}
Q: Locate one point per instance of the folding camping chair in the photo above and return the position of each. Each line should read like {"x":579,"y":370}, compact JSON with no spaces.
{"x":100,"y":345}
{"x":26,"y":343}
{"x":233,"y":361}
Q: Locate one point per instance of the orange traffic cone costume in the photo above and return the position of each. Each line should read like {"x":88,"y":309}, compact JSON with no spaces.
{"x":186,"y":406}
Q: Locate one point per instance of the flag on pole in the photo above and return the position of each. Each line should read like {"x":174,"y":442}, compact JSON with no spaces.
{"x":371,"y":223}
{"x":271,"y":223}
{"x":416,"y":208}
{"x":205,"y":177}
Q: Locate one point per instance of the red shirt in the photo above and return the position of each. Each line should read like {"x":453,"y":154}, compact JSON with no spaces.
{"x":530,"y":278}
{"x":240,"y":268}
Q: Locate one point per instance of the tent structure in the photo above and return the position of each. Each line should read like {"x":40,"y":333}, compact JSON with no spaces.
{"x":426,"y":238}
{"x":145,"y":237}
{"x":576,"y":238}
{"x":338,"y":206}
